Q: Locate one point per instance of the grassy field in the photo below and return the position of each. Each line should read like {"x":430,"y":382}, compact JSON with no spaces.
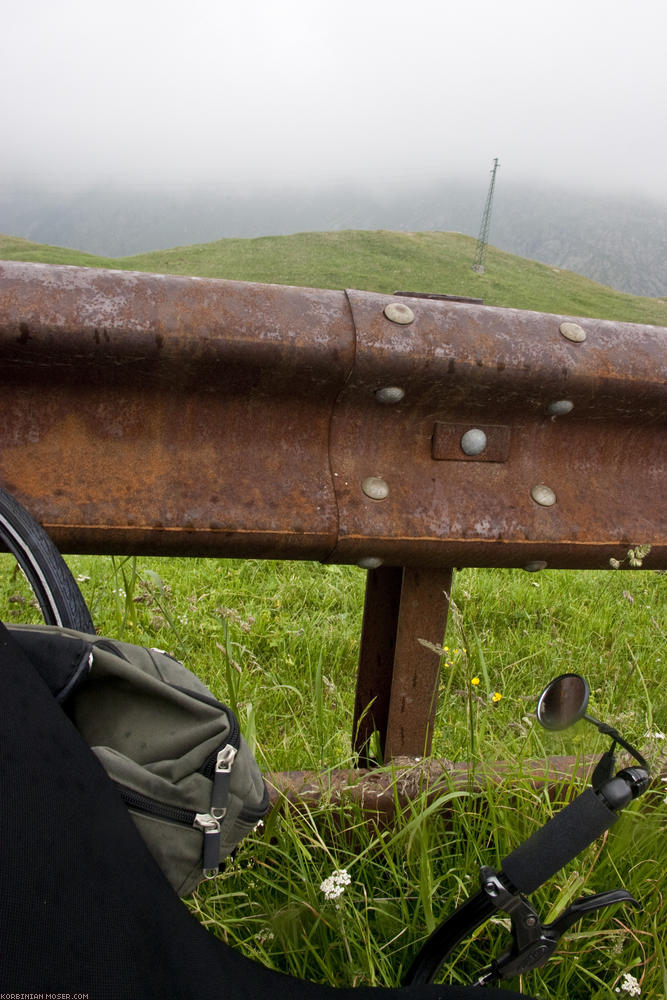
{"x":376,"y":261}
{"x":279,"y":642}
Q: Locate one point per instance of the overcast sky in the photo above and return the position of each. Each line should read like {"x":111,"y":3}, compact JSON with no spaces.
{"x":262,"y":92}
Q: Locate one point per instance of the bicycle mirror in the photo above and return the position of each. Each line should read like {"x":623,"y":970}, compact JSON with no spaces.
{"x":563,"y":702}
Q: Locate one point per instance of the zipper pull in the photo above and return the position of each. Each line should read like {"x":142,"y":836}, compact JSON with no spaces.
{"x":221,"y":779}
{"x":211,"y":854}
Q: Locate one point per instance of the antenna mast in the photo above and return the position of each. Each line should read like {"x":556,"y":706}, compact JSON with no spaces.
{"x":483,"y":238}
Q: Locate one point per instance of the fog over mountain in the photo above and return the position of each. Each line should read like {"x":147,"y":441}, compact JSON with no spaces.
{"x":618,"y":241}
{"x":153,"y":125}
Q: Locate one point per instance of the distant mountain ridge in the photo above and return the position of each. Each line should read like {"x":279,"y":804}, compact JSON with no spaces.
{"x":620,"y":242}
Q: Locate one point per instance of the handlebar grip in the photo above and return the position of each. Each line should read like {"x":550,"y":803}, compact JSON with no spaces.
{"x":560,"y":840}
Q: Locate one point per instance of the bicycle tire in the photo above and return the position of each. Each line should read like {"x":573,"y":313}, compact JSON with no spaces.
{"x":55,"y":589}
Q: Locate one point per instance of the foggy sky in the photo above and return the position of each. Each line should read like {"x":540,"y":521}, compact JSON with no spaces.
{"x":255,"y":93}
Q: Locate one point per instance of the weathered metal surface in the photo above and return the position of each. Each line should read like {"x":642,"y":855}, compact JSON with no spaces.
{"x":605,"y":460}
{"x":382,"y":603}
{"x":170,"y":415}
{"x":155,"y":414}
{"x":397,"y":680}
{"x":142,"y":413}
{"x":377,"y":792}
{"x":422,"y":620}
{"x":447,"y":443}
{"x":440,"y":296}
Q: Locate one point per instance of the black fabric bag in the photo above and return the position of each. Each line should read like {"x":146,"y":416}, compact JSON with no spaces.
{"x":84,"y":907}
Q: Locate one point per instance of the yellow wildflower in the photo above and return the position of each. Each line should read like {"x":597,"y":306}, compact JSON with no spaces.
{"x":496,"y":696}
{"x":475,"y":681}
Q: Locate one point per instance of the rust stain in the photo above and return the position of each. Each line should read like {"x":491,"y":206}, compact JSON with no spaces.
{"x":174,"y":414}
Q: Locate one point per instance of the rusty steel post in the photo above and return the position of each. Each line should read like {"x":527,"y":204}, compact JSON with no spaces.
{"x":398,"y":675}
{"x":414,"y":687}
{"x":382,"y":602}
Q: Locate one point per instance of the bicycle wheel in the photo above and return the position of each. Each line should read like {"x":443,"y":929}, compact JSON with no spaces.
{"x":59,"y":598}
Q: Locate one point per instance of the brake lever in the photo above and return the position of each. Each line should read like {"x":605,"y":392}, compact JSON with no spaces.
{"x":585,"y":904}
{"x":534,"y":942}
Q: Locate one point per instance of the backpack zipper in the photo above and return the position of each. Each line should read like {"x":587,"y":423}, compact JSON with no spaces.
{"x":208,"y":824}
{"x":218,"y":767}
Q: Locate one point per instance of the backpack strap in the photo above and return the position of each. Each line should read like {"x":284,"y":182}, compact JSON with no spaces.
{"x":62,"y":660}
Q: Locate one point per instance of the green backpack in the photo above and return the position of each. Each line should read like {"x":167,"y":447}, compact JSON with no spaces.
{"x":175,"y":754}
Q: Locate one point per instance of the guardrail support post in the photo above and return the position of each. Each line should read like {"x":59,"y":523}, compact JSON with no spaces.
{"x":398,"y":677}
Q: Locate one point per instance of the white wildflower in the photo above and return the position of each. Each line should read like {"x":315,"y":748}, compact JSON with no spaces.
{"x":629,"y":985}
{"x":657,"y":735}
{"x":334,"y":886}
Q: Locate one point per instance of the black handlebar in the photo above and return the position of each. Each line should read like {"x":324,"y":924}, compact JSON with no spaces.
{"x":531,"y":864}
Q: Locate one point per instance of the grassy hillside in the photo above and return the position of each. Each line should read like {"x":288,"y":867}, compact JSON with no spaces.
{"x":376,"y":261}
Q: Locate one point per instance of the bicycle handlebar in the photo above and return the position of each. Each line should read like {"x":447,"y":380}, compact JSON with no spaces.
{"x":571,"y":830}
{"x":531,"y":864}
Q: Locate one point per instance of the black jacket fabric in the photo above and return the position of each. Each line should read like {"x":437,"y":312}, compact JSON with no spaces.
{"x":84,"y":909}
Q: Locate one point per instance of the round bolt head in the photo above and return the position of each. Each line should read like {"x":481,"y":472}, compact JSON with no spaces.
{"x":535,"y":566}
{"x":369,"y":562}
{"x":473,"y":442}
{"x":573,"y":332}
{"x":543,"y":495}
{"x":389,"y":394}
{"x":399,"y":313}
{"x":560,"y":407}
{"x":375,"y":488}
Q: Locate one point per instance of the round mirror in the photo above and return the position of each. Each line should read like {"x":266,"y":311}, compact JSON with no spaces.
{"x":563,"y":702}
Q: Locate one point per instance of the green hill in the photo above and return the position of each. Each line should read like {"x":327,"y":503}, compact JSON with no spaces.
{"x":376,"y":261}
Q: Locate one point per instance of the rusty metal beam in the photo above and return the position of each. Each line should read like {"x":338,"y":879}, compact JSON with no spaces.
{"x":171,"y":415}
{"x":155,"y":414}
{"x":378,"y":791}
{"x":575,"y":463}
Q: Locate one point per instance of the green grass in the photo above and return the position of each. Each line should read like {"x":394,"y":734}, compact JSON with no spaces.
{"x":280,"y":641}
{"x":16,"y":248}
{"x":377,"y":261}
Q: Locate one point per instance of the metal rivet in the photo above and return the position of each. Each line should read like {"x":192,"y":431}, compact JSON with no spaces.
{"x":473,"y":442}
{"x":560,"y":408}
{"x":390,"y":394}
{"x":397,"y":312}
{"x":573,"y":332}
{"x":543,"y":495}
{"x":375,"y":488}
{"x":369,"y":562}
{"x":535,"y":566}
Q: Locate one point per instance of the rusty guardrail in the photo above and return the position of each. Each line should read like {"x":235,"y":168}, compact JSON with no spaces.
{"x":174,"y":415}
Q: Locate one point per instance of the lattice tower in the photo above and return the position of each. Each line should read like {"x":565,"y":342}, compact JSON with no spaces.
{"x":483,"y":238}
